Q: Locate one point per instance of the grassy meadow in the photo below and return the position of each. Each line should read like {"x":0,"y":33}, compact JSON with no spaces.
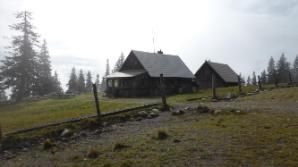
{"x":28,"y":114}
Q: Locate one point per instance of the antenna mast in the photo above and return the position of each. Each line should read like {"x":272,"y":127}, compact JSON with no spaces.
{"x":153,"y":40}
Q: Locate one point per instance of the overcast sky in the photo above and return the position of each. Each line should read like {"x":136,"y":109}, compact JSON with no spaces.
{"x":84,"y":33}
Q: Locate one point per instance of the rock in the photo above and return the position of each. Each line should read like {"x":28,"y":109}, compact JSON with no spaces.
{"x":176,"y":141}
{"x":188,"y":108}
{"x":155,"y":110}
{"x":228,"y":96}
{"x":83,"y":134}
{"x":203,"y":109}
{"x":217,"y":111}
{"x":143,"y":114}
{"x":178,"y":112}
{"x":66,"y":133}
{"x":153,"y":115}
{"x":238,"y":111}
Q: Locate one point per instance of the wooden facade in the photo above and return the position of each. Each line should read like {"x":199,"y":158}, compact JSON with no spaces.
{"x":135,"y":80}
{"x":224,"y":75}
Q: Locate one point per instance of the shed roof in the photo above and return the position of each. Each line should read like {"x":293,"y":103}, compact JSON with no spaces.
{"x":126,"y":74}
{"x":168,"y":65}
{"x":224,"y":71}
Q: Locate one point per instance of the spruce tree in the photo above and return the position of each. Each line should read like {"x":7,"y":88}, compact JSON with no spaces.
{"x":283,"y":69}
{"x":119,"y":63}
{"x":73,"y":81}
{"x":263,"y":77}
{"x":19,"y":69}
{"x":295,"y":69}
{"x":254,"y":78}
{"x":81,"y":82}
{"x":103,"y":82}
{"x":44,"y":79}
{"x":89,"y":82}
{"x":3,"y":96}
{"x":107,"y":68}
{"x":56,"y":84}
{"x":271,"y":71}
{"x":97,"y":79}
{"x":248,"y":81}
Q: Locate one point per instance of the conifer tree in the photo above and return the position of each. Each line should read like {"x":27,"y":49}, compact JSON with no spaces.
{"x":283,"y":69}
{"x":254,"y":78}
{"x":295,"y":69}
{"x":56,"y":84}
{"x":89,"y":82}
{"x":81,"y":82}
{"x":271,"y":71}
{"x":19,"y":68}
{"x":73,"y":81}
{"x":263,"y":77}
{"x":43,"y":83}
{"x":97,"y":79}
{"x":119,"y":63}
{"x":248,"y":81}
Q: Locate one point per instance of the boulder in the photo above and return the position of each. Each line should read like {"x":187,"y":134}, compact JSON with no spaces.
{"x":143,"y":114}
{"x":66,"y":133}
{"x":178,"y":112}
{"x":217,"y":112}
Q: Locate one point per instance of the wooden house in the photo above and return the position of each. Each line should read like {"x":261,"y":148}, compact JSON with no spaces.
{"x":224,"y":75}
{"x":140,"y":75}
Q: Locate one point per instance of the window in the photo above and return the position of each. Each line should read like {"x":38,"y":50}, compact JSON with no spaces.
{"x":110,"y":83}
{"x":116,"y":83}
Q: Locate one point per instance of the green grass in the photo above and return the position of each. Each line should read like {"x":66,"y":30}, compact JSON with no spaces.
{"x":253,"y":139}
{"x":207,"y":94}
{"x":225,"y":140}
{"x":28,"y":114}
{"x":280,"y":94}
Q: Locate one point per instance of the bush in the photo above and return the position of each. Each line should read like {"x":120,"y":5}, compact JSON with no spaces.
{"x":162,"y":134}
{"x":92,"y":153}
{"x":119,"y":146}
{"x":1,"y":135}
{"x":48,"y":144}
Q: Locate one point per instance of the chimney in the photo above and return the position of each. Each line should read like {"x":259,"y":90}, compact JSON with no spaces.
{"x":160,"y":52}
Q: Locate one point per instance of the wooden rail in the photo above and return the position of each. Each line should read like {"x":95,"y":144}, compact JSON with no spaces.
{"x":72,"y":120}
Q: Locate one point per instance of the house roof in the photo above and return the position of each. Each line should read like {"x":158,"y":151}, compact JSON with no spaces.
{"x":126,"y":74}
{"x":168,"y":65}
{"x":224,"y":71}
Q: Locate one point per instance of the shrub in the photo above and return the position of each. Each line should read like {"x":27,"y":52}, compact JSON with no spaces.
{"x":162,"y":134}
{"x":1,"y":133}
{"x":119,"y":146}
{"x":127,"y":163}
{"x":92,"y":153}
{"x":48,"y":144}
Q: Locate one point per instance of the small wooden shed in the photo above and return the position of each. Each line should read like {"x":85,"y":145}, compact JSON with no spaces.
{"x":224,"y":75}
{"x":140,"y":72}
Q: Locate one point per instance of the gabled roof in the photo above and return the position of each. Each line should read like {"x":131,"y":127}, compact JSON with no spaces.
{"x":223,"y":70}
{"x":168,"y":65}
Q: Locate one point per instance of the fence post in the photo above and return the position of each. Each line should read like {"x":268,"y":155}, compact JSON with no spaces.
{"x":239,"y":84}
{"x":163,"y":93}
{"x":213,"y":87}
{"x":96,"y":101}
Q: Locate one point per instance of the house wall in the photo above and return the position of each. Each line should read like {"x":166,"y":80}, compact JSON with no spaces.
{"x":204,"y":78}
{"x":144,"y":86}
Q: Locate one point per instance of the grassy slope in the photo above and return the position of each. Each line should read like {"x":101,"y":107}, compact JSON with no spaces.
{"x":251,"y":139}
{"x":28,"y":114}
{"x":226,"y":140}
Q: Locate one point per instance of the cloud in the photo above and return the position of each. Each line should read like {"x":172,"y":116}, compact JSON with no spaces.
{"x":268,"y":7}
